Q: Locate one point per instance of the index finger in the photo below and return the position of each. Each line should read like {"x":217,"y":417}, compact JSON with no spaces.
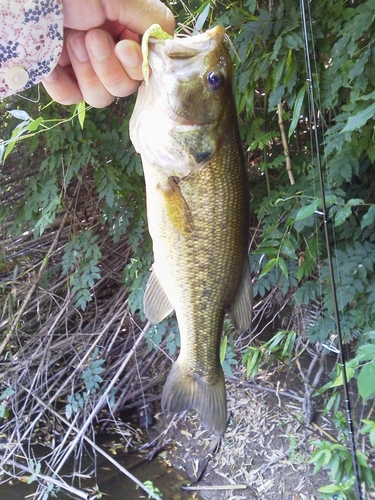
{"x":136,"y":15}
{"x":141,"y":14}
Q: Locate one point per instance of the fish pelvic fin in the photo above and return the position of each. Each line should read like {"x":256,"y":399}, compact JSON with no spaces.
{"x":184,"y":390}
{"x":156,"y":304}
{"x":241,"y":308}
{"x":177,"y":209}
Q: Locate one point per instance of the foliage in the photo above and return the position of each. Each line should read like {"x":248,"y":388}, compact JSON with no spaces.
{"x":98,"y":153}
{"x":92,"y":380}
{"x":3,"y":397}
{"x":48,"y":148}
{"x":281,"y":346}
{"x":153,"y":491}
{"x":81,"y":260}
{"x":270,"y":68}
{"x":91,"y":376}
{"x":228,"y":357}
{"x":361,"y":368}
{"x":337,"y":459}
{"x":369,"y":428}
{"x":167,"y":330}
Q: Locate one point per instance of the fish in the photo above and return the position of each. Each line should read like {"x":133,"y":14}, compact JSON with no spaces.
{"x":185,"y":127}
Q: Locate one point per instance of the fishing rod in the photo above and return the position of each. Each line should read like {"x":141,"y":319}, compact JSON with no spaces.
{"x":324,"y":214}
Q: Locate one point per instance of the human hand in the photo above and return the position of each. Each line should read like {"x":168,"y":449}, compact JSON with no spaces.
{"x":101,"y":57}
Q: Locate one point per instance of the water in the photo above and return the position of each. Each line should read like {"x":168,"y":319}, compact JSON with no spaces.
{"x":112,"y":483}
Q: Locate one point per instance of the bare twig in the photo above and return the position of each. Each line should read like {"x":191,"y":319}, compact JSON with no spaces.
{"x":48,"y":479}
{"x":42,"y":268}
{"x":94,"y":446}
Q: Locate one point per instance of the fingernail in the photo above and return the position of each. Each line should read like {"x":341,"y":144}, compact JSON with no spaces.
{"x":78,"y":46}
{"x":99,"y":44}
{"x":127,"y":54}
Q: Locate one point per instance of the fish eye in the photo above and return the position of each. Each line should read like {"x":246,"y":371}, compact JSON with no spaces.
{"x":215,"y":80}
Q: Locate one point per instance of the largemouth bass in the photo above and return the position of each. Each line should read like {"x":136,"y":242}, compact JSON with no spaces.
{"x":185,"y":127}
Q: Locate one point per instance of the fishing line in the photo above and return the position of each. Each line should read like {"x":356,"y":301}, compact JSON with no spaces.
{"x":324,"y":214}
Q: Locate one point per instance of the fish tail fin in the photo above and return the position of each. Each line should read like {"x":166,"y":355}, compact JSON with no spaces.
{"x":184,"y":390}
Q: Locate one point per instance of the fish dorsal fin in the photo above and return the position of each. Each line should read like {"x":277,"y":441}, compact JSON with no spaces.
{"x":156,"y":304}
{"x":241,"y":308}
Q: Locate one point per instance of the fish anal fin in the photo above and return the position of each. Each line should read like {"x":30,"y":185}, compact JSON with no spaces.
{"x":177,"y":209}
{"x":156,"y":304}
{"x":241,"y":308}
{"x":184,"y":391}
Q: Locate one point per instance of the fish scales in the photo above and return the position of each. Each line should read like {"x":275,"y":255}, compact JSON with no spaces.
{"x":198,"y":220}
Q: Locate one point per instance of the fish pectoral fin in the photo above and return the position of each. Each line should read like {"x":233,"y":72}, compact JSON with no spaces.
{"x":242,"y":306}
{"x":184,"y":391}
{"x":177,"y":209}
{"x":156,"y":304}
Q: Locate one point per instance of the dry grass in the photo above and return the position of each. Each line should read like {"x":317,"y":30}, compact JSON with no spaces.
{"x":48,"y":345}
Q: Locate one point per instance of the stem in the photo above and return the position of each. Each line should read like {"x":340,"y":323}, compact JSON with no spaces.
{"x":285,"y":143}
{"x":265,"y":147}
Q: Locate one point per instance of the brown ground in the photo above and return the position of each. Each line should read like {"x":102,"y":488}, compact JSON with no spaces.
{"x":265,"y":450}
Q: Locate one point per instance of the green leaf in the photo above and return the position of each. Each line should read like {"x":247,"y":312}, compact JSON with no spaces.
{"x":369,"y":428}
{"x":357,"y":121}
{"x":17,"y":132}
{"x":270,"y":265}
{"x":282,"y":266}
{"x":359,"y":66}
{"x":366,"y":352}
{"x":321,"y":458}
{"x":355,"y":202}
{"x":367,"y":97}
{"x":81,"y":112}
{"x":278,"y":69}
{"x":4,"y":412}
{"x":330,"y":488}
{"x":276,"y":97}
{"x":252,"y":359}
{"x":366,"y":380}
{"x":369,"y":217}
{"x":274,"y":344}
{"x":307,"y":210}
{"x":297,"y":110}
{"x":7,"y":393}
{"x":68,"y":411}
{"x":223,"y":349}
{"x":334,"y":465}
{"x":289,"y":344}
{"x":287,"y":249}
{"x":202,"y":17}
{"x":342,"y":214}
{"x":34,"y":124}
{"x":349,"y":369}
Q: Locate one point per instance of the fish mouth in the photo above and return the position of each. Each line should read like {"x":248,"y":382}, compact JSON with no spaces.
{"x":186,"y":47}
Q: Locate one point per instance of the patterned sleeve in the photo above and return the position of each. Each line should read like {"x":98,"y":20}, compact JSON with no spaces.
{"x":31,"y":40}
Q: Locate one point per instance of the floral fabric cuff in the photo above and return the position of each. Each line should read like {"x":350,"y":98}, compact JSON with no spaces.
{"x":31,"y":40}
